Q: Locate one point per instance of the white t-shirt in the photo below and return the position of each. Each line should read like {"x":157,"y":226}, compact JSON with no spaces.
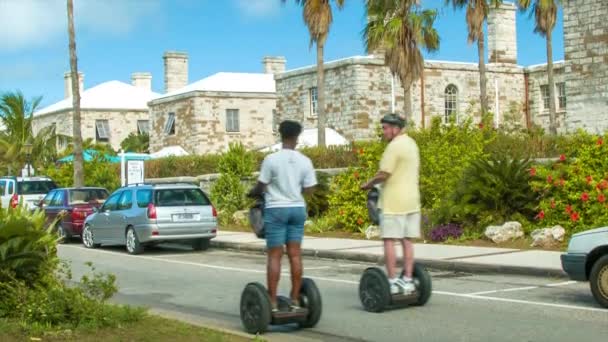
{"x":286,"y":172}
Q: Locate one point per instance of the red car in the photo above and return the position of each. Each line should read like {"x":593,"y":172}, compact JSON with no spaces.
{"x":78,"y":203}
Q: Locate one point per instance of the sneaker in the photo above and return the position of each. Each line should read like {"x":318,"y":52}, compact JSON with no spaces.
{"x":395,"y":288}
{"x":295,"y":306}
{"x":407,"y":286}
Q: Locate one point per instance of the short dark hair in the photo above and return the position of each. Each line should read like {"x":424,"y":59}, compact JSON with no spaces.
{"x":290,"y":129}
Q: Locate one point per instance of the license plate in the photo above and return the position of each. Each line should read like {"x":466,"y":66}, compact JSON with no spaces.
{"x":184,"y":217}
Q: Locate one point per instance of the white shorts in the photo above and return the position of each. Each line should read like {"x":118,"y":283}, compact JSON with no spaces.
{"x":400,"y":226}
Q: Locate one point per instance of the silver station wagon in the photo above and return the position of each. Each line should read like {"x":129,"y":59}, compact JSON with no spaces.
{"x":138,"y":215}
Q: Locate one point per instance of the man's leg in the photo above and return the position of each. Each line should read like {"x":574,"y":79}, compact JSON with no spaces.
{"x":295,"y":261}
{"x":273,"y":272}
{"x":408,"y":257}
{"x":389,"y":257}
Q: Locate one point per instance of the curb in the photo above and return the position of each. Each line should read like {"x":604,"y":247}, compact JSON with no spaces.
{"x":444,"y":265}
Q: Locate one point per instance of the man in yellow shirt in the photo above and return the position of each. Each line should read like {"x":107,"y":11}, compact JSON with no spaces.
{"x":399,"y":199}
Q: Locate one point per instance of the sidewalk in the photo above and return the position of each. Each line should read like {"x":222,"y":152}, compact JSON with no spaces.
{"x":436,"y":256}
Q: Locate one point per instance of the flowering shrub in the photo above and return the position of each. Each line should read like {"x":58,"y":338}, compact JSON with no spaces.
{"x":574,"y":190}
{"x":446,"y":231}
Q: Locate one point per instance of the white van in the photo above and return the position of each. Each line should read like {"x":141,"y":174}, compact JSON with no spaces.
{"x":30,"y":190}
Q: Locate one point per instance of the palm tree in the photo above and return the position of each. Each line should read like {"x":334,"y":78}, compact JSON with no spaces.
{"x":76,"y":133}
{"x":477,"y":14}
{"x":318,"y":18}
{"x":400,"y":28}
{"x":545,"y":13}
{"x":16,"y":115}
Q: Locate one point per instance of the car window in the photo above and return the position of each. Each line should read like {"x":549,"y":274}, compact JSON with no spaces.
{"x":47,"y":199}
{"x":82,"y":196}
{"x":11,"y":187}
{"x":57,"y":200}
{"x":36,"y":187}
{"x":111,"y":202}
{"x":144,"y":197}
{"x":180,"y":197}
{"x":2,"y":187}
{"x":126,"y":201}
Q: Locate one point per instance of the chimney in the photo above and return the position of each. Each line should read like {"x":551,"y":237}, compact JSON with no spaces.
{"x":502,"y":35}
{"x":67,"y":77}
{"x":142,"y":80}
{"x":176,"y":70}
{"x":274,"y":65}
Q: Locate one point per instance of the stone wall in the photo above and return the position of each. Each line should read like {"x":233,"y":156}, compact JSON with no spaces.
{"x":122,"y":123}
{"x":200,"y":121}
{"x":502,"y":34}
{"x":586,"y":53}
{"x":537,"y":77}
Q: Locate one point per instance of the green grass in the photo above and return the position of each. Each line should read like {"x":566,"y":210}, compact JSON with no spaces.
{"x":149,"y":329}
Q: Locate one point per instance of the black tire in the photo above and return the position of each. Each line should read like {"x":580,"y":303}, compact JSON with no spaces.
{"x":133,"y":245}
{"x":424,"y":286}
{"x":63,"y":233}
{"x":200,"y":244}
{"x":310,"y":298}
{"x":86,"y":235}
{"x":374,"y":290}
{"x":255,"y":309}
{"x":598,"y":281}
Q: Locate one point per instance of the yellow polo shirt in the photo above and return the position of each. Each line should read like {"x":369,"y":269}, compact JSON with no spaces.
{"x":400,"y":193}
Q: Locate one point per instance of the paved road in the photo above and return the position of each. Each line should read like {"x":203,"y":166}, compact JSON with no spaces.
{"x":464,"y":307}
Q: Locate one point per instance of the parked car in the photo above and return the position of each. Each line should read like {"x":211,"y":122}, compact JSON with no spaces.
{"x":30,"y":190}
{"x":147,"y":214}
{"x":75,"y":204}
{"x":587,"y":260}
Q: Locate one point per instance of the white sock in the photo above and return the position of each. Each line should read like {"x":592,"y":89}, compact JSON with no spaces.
{"x":407,"y":279}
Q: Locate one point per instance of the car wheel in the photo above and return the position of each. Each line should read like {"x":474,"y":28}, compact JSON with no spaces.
{"x":200,"y":244}
{"x":87,"y":238}
{"x":133,"y":244}
{"x":63,"y":234}
{"x":598,"y":280}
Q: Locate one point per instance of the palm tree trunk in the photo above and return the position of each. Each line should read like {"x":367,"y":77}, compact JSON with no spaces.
{"x":78,"y":158}
{"x":482,"y":75}
{"x":321,"y":118}
{"x":552,"y":118}
{"x":407,"y":104}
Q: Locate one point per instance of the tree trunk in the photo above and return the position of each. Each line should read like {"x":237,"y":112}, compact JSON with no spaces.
{"x":77,"y":136}
{"x":552,"y":119}
{"x":321,"y":118}
{"x":482,"y":76}
{"x":407,"y":104}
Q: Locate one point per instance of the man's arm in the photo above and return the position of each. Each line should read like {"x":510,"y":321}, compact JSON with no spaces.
{"x":380,"y":177}
{"x":257,"y":190}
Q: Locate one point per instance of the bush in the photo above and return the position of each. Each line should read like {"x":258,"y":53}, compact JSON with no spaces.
{"x":444,"y":232}
{"x":491,"y":189}
{"x":573,"y":189}
{"x":96,"y":173}
{"x":317,"y":203}
{"x":331,"y":156}
{"x":182,"y":166}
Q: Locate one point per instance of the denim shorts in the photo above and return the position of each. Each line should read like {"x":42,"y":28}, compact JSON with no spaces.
{"x":283,"y":225}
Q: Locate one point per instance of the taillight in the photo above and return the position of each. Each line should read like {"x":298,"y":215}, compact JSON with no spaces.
{"x":151,"y":211}
{"x":214,"y":211}
{"x":78,"y":215}
{"x":14,"y":201}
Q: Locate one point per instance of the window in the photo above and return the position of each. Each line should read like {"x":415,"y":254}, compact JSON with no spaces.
{"x":57,"y":201}
{"x":451,"y":102}
{"x":126,"y":201}
{"x":144,"y":197}
{"x":143,"y":127}
{"x":11,"y":187}
{"x":180,"y":197}
{"x":102,"y":130}
{"x":35,"y":187}
{"x":313,"y":100}
{"x":232,"y":120}
{"x":2,"y":187}
{"x":48,"y":198}
{"x":544,"y":92}
{"x":170,"y":125}
{"x":561,"y":94}
{"x":87,"y":195}
{"x":111,"y":203}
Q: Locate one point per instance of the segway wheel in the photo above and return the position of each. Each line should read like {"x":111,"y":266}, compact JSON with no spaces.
{"x":374,"y":290}
{"x":424,"y":286}
{"x":310,"y":298}
{"x":256,"y":311}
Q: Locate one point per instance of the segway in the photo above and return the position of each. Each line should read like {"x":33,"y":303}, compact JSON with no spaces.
{"x":374,"y":287}
{"x":256,"y":309}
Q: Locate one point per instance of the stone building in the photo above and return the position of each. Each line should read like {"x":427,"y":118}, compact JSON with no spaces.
{"x":110,"y":111}
{"x":207,"y":115}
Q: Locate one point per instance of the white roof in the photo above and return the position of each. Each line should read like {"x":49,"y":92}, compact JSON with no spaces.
{"x":107,"y":95}
{"x":309,"y":138}
{"x":169,"y":151}
{"x":231,"y":82}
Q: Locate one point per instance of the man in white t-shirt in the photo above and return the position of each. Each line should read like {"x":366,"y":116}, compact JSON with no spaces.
{"x":284,"y":177}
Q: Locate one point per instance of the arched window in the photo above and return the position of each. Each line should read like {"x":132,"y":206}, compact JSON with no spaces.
{"x":451,"y":102}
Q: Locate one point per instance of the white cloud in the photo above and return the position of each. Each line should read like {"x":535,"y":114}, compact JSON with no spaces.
{"x":34,"y":23}
{"x":259,"y":8}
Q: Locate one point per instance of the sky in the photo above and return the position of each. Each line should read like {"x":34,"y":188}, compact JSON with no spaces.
{"x":115,"y":38}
